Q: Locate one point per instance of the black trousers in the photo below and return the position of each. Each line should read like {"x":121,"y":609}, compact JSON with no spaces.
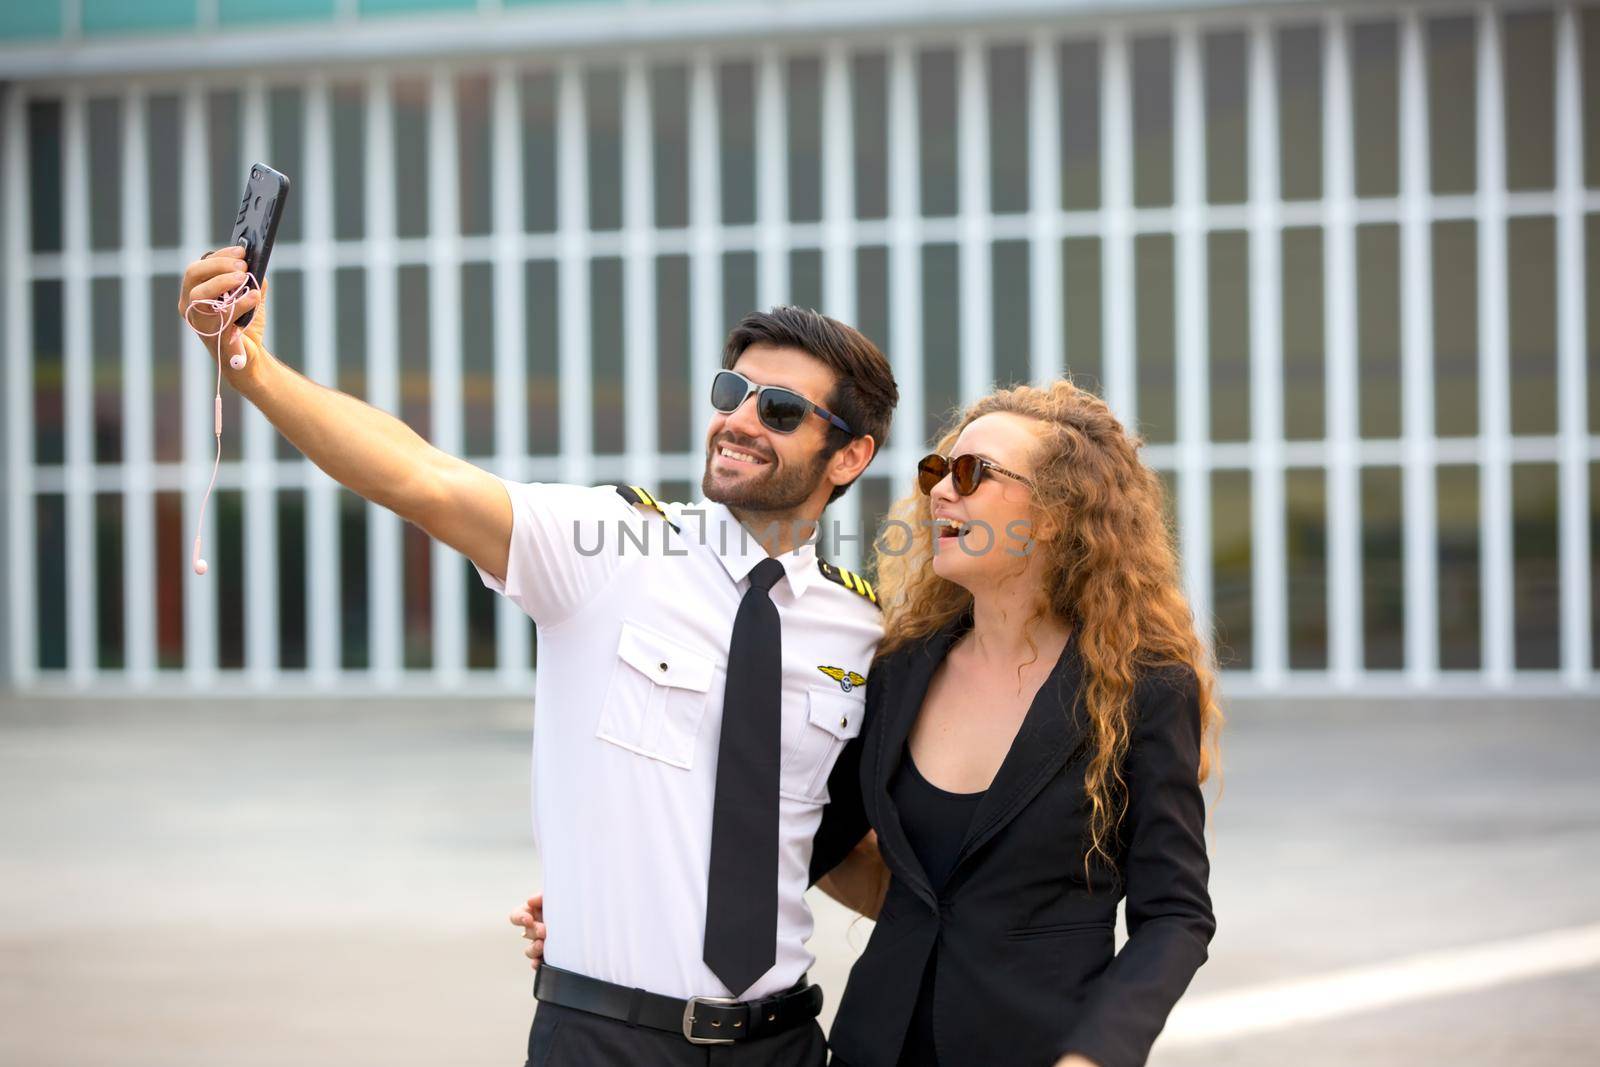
{"x":566,"y":1037}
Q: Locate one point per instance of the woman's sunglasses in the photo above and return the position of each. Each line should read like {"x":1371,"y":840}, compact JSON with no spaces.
{"x":966,"y":472}
{"x":780,"y":410}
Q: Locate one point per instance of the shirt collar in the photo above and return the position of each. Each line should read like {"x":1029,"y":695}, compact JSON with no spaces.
{"x":738,"y":548}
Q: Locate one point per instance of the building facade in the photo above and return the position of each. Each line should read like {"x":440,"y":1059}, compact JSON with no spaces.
{"x":1338,"y":264}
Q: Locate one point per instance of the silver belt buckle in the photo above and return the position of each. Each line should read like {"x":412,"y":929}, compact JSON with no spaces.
{"x":688,"y":1020}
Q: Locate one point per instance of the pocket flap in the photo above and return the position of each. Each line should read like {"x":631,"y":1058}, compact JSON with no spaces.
{"x":663,"y":660}
{"x":836,"y":712}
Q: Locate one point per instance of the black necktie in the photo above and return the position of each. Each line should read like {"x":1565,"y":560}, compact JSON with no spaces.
{"x":742,"y":897}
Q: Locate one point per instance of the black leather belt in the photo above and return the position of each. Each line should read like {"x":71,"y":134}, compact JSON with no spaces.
{"x":702,"y":1020}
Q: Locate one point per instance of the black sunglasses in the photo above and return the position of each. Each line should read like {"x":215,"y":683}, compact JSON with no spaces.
{"x":967,"y":471}
{"x":780,"y":410}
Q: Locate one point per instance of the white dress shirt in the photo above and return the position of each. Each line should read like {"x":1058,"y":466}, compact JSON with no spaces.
{"x":632,"y":660}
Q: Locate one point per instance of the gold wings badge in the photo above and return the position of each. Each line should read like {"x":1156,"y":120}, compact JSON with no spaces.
{"x":847,"y":680}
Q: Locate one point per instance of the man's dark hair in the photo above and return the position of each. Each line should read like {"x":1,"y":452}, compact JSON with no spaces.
{"x":864,"y":393}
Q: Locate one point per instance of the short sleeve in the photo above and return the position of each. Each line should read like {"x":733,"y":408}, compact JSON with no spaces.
{"x":562,"y":553}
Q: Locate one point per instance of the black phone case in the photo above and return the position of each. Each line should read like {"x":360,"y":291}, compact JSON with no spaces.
{"x":256,"y":225}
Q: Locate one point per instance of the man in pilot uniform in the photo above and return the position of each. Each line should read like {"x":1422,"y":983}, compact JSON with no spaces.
{"x":690,"y":695}
{"x":699,"y":673}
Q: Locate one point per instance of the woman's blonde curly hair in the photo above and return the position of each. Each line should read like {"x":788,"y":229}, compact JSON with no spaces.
{"x":1111,"y":573}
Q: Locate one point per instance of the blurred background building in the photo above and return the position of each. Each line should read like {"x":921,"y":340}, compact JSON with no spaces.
{"x":1339,"y":264}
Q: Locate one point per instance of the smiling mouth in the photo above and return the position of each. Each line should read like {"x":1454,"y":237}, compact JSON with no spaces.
{"x":738,"y":456}
{"x":947,"y":528}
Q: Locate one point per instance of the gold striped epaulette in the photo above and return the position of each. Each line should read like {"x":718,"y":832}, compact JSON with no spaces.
{"x":640,"y":497}
{"x":849,"y":579}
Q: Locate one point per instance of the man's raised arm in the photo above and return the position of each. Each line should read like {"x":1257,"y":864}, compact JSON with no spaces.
{"x":368,"y":451}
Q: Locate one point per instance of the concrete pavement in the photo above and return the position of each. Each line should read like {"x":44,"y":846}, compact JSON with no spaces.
{"x":194,"y":882}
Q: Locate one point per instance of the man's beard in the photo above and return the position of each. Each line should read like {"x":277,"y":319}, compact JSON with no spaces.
{"x":777,"y":489}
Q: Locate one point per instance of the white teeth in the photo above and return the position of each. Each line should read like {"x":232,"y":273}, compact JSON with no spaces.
{"x":744,"y":457}
{"x":954,"y":525}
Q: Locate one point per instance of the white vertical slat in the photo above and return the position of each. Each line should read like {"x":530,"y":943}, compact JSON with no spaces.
{"x":1494,"y":377}
{"x":510,"y":341}
{"x":1419,"y":504}
{"x":78,"y":408}
{"x":977,"y":239}
{"x":772,"y":182}
{"x":138,"y":421}
{"x":323,"y":634}
{"x":6,"y":670}
{"x":1343,"y":500}
{"x":572,"y":199}
{"x":385,"y":606}
{"x":1193,"y":348}
{"x":20,"y":509}
{"x":839,"y":274}
{"x":1044,"y":208}
{"x":905,"y":255}
{"x":199,"y":371}
{"x":1573,"y":374}
{"x":1267,"y":557}
{"x":1116,"y":197}
{"x":260,"y":481}
{"x":838,"y":186}
{"x":444,"y":360}
{"x":640,"y":400}
{"x":705,"y":255}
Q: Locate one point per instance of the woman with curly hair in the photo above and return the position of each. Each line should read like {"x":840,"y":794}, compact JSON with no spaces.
{"x":1036,"y":738}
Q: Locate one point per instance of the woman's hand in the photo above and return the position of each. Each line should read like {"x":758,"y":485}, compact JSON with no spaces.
{"x":531,"y":918}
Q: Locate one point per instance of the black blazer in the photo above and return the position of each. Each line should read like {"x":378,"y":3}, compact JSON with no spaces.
{"x":1026,"y":970}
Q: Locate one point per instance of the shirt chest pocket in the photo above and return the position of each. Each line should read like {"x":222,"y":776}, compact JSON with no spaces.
{"x":657,"y":697}
{"x":833,"y":717}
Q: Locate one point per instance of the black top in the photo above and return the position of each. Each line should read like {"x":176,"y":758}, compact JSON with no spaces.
{"x":1027,"y":964}
{"x":935,"y":819}
{"x":936,"y":822}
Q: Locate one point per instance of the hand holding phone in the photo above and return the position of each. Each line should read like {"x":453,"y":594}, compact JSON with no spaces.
{"x":209,"y":285}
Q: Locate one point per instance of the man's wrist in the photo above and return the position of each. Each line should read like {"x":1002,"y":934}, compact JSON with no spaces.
{"x":249,"y":380}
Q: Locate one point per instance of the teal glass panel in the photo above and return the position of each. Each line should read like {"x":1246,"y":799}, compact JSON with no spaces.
{"x":41,"y":18}
{"x":120,"y":16}
{"x":235,"y":12}
{"x":400,"y":7}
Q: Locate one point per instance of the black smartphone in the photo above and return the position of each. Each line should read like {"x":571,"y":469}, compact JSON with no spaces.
{"x":255,"y":227}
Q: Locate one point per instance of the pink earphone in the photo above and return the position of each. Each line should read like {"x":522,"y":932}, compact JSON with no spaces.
{"x":220,"y":307}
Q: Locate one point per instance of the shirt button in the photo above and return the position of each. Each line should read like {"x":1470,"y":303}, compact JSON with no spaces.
{"x":844,"y":720}
{"x":661,"y":666}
